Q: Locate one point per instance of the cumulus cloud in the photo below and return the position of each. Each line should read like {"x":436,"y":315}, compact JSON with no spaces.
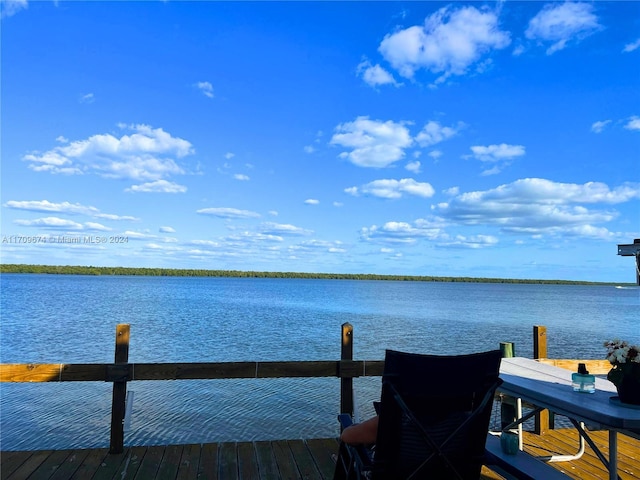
{"x":433,"y":133}
{"x":560,"y":24}
{"x":241,"y":177}
{"x":63,"y":207}
{"x":414,"y":166}
{"x":449,"y":42}
{"x":283,"y":229}
{"x":206,"y":88}
{"x":11,"y":7}
{"x":537,"y":206}
{"x":598,"y":127}
{"x":159,"y":186}
{"x":630,"y":47}
{"x":497,"y":155}
{"x":223,"y":212}
{"x":375,"y":75}
{"x":167,"y":230}
{"x":388,"y":188}
{"x":633,"y":123}
{"x":311,"y":201}
{"x":148,"y":154}
{"x":56,"y":223}
{"x":394,"y":233}
{"x":373,"y":143}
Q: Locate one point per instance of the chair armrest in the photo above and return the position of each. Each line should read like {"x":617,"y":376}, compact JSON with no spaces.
{"x":345,"y":420}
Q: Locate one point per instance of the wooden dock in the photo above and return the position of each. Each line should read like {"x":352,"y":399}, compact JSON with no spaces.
{"x":278,"y":459}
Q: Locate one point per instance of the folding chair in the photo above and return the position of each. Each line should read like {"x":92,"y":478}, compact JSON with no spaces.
{"x":434,"y":417}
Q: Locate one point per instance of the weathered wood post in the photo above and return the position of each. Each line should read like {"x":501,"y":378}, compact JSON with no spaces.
{"x":543,"y":420}
{"x":507,"y":403}
{"x":119,"y":374}
{"x":346,"y":383}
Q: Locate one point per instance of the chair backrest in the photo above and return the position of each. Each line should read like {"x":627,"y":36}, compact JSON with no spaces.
{"x":434,"y":415}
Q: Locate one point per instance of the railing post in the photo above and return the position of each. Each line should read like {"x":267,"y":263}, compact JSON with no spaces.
{"x":507,"y":403}
{"x":543,"y":420}
{"x":346,"y":383}
{"x":118,"y":403}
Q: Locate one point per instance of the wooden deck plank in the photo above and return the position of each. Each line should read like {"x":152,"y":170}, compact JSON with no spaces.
{"x":170,"y":463}
{"x":284,"y":459}
{"x":304,"y":460}
{"x":247,"y":465}
{"x":70,"y":464}
{"x":228,"y":467}
{"x":109,"y":465}
{"x":322,"y":451}
{"x":10,"y":462}
{"x":150,"y":463}
{"x":32,"y":461}
{"x":130,"y":466}
{"x":189,"y":462}
{"x":50,"y":464}
{"x":267,"y":465}
{"x":208,"y":467}
{"x":90,"y":464}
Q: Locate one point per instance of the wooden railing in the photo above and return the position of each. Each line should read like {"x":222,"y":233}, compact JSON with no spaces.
{"x":346,"y":369}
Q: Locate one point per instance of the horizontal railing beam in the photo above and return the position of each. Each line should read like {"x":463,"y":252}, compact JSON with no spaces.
{"x":78,"y":372}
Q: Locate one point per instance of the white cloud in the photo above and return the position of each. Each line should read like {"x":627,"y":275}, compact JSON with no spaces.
{"x":630,"y":47}
{"x":229,"y":155}
{"x":311,"y":201}
{"x":62,"y":224}
{"x":283,"y":229}
{"x":598,"y":127}
{"x":562,"y":23}
{"x":147,"y":154}
{"x":206,"y":88}
{"x":433,"y":133}
{"x":167,"y":230}
{"x":87,"y":98}
{"x":413,"y":166}
{"x":388,"y":188}
{"x":63,"y":207}
{"x":222,"y":212}
{"x":394,"y":233}
{"x":633,"y":123}
{"x":435,"y":154}
{"x":159,"y":186}
{"x":375,"y":75}
{"x":494,"y":153}
{"x":472,"y":242}
{"x":338,"y":204}
{"x":241,"y":177}
{"x":448,"y":43}
{"x":62,"y":139}
{"x":538,"y":206}
{"x":374,"y":143}
{"x":309,"y":149}
{"x":498,"y":155}
{"x":11,"y":7}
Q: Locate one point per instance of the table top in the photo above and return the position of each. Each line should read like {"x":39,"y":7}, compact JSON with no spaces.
{"x":550,"y":387}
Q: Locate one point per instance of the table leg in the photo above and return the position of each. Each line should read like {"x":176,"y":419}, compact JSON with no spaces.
{"x":613,"y":455}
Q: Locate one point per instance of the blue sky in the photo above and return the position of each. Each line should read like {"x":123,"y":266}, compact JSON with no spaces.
{"x":419,"y":138}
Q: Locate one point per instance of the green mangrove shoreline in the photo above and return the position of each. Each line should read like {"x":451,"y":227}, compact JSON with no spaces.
{"x":171,"y":272}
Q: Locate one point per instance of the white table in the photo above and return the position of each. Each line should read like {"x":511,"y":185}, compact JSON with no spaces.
{"x":549,"y":387}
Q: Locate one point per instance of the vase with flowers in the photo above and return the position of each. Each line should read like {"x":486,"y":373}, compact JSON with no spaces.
{"x":625,"y":370}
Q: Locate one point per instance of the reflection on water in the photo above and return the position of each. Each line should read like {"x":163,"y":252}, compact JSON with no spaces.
{"x":72,"y":319}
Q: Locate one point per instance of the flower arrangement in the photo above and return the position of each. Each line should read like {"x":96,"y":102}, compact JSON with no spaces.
{"x":625,"y":372}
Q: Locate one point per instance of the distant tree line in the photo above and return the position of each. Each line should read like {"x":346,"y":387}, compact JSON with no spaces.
{"x":171,"y":272}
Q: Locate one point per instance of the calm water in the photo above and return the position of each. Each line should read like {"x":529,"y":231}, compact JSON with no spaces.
{"x":72,"y":319}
